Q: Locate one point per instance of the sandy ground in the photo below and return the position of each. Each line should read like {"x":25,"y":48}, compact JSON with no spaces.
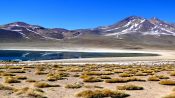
{"x":152,"y":89}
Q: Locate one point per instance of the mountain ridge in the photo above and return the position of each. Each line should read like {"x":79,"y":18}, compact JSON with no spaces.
{"x":135,"y":29}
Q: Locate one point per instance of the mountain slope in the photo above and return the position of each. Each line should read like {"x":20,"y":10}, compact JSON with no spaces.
{"x":34,"y":32}
{"x":131,"y":31}
{"x":140,"y":25}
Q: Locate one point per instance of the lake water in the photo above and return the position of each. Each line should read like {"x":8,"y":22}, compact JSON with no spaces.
{"x":14,"y":55}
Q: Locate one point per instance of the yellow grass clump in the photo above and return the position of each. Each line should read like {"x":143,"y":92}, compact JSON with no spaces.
{"x":153,"y":78}
{"x":116,"y":80}
{"x":74,"y":86}
{"x":102,"y":94}
{"x":92,"y":79}
{"x":30,"y":80}
{"x":172,"y":95}
{"x":31,"y":92}
{"x":54,"y":77}
{"x":44,"y":85}
{"x":3,"y":87}
{"x":10,"y":79}
{"x":124,"y":75}
{"x":129,"y":87}
{"x":167,"y":82}
{"x":105,"y":77}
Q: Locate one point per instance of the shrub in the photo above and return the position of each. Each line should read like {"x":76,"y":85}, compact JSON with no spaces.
{"x":31,"y":92}
{"x":98,"y":73}
{"x":148,"y":71}
{"x":167,"y":82}
{"x":172,"y":73}
{"x":135,"y":79}
{"x":75,"y":75}
{"x":105,"y":77}
{"x":102,"y":94}
{"x":15,"y":67}
{"x":118,"y":71}
{"x":172,"y":95}
{"x":92,"y":79}
{"x":92,"y":86}
{"x":17,"y":71}
{"x":62,"y":74}
{"x":11,"y":80}
{"x":141,"y":74}
{"x":54,"y":77}
{"x":44,"y":85}
{"x":129,"y":87}
{"x":125,"y":75}
{"x":73,"y":86}
{"x":21,"y":77}
{"x":116,"y":80}
{"x":40,"y":73}
{"x":153,"y":78}
{"x":30,"y":80}
{"x":3,"y":87}
{"x":84,"y":76}
{"x":6,"y":74}
{"x":162,"y":77}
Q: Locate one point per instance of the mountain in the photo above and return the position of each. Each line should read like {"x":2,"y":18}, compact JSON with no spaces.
{"x":35,"y":32}
{"x":140,"y":25}
{"x":131,"y":31}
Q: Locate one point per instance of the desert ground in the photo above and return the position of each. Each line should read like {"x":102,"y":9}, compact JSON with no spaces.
{"x":112,"y":77}
{"x":87,"y":81}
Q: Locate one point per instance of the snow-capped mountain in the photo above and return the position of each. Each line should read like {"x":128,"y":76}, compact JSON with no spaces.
{"x":35,"y":32}
{"x":139,"y":25}
{"x":133,"y":28}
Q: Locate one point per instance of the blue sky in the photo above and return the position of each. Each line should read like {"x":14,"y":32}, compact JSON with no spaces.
{"x":76,"y":14}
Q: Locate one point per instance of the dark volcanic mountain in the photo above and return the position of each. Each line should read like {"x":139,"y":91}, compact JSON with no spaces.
{"x":133,"y":29}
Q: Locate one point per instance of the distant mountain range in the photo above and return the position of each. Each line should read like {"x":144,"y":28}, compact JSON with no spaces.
{"x":134,"y":29}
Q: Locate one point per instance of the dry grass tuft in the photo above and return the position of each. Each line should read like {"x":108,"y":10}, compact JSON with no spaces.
{"x":97,"y":73}
{"x":172,"y":95}
{"x":141,"y":74}
{"x":124,"y":75}
{"x":93,"y":86}
{"x":3,"y":87}
{"x":15,"y":67}
{"x":153,"y":78}
{"x":17,"y":71}
{"x":167,"y":82}
{"x":54,"y":77}
{"x":92,"y":79}
{"x":116,"y":80}
{"x":44,"y":85}
{"x":10,"y":79}
{"x":135,"y":79}
{"x":40,"y":73}
{"x":102,"y":94}
{"x":105,"y":77}
{"x":31,"y":81}
{"x":172,"y":73}
{"x":6,"y":74}
{"x":129,"y":87}
{"x":162,"y":77}
{"x":31,"y":92}
{"x":21,"y":77}
{"x":74,"y":86}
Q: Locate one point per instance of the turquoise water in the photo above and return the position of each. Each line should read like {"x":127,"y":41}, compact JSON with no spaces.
{"x":15,"y":55}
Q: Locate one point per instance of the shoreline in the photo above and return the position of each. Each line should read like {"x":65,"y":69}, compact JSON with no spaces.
{"x":165,"y":55}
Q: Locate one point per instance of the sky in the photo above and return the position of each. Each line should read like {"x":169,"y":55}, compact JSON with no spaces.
{"x":77,"y":14}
